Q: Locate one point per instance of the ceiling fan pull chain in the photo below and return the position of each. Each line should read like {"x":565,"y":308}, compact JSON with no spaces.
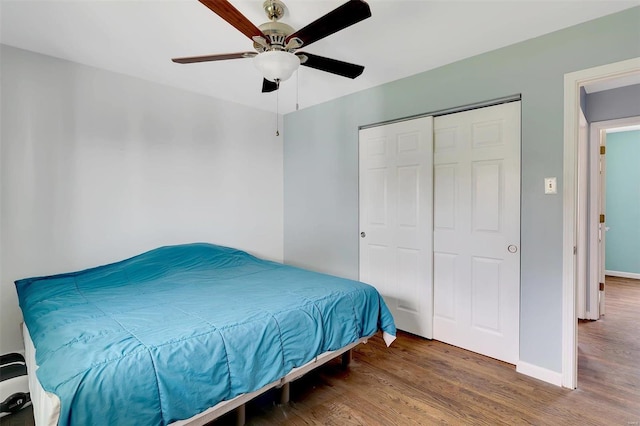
{"x":277,"y":109}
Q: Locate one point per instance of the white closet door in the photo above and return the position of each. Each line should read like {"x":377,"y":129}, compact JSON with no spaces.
{"x":477,"y":230}
{"x":396,"y":224}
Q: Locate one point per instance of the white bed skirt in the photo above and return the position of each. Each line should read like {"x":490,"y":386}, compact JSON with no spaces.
{"x":46,"y":406}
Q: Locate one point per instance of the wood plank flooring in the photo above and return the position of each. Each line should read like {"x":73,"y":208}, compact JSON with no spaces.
{"x":418,"y":381}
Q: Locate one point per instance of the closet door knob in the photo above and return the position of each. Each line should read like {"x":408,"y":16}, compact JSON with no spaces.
{"x":363,"y":234}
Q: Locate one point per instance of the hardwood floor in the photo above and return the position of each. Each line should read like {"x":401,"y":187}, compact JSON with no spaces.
{"x":609,"y":349}
{"x":418,"y":381}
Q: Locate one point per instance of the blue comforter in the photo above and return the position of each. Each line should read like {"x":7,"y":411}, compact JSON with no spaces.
{"x":169,"y":333}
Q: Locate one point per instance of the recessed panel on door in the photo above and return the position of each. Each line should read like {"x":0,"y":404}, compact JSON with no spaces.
{"x":408,"y":261}
{"x":444,"y":196}
{"x":408,"y":142}
{"x":444,"y":140}
{"x":487,"y":186}
{"x":377,"y":214}
{"x":485,"y":294}
{"x":376,"y":260}
{"x":408,"y":196}
{"x":444,"y":265}
{"x":487,"y":133}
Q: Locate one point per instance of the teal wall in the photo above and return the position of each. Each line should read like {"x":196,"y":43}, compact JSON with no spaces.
{"x":623,"y":202}
{"x":321,"y":158}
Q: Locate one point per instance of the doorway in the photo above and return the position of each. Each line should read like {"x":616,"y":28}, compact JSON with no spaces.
{"x":628,"y":71}
{"x":596,"y":224}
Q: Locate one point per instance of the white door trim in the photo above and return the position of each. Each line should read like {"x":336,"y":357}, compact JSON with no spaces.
{"x":572,"y":83}
{"x":582,"y":213}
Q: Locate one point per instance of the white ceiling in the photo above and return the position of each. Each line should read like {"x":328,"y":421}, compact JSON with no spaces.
{"x":402,"y":38}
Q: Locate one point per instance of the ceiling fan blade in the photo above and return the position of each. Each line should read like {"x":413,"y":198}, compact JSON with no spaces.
{"x":346,"y":15}
{"x":208,"y":58}
{"x":333,"y":66}
{"x":268,"y":86}
{"x":229,"y":13}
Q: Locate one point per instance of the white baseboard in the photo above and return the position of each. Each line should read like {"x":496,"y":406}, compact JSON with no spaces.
{"x":539,"y":373}
{"x":631,"y":275}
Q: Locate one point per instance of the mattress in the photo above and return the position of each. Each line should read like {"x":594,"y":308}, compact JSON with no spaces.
{"x":163,"y":336}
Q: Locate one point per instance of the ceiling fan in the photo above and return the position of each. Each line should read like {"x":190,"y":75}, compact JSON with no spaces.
{"x":276,"y":43}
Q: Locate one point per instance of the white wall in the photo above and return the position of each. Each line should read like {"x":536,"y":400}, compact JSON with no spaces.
{"x":98,"y":166}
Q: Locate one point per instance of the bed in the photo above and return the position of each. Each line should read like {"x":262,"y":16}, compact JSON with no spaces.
{"x":182,"y":333}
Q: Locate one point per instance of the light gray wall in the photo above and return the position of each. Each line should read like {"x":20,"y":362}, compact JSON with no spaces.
{"x":321,"y":158}
{"x":612,"y":104}
{"x":98,"y":166}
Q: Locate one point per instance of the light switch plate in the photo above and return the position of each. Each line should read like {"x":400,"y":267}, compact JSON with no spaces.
{"x":550,"y":185}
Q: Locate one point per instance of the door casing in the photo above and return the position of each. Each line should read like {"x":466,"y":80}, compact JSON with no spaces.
{"x":572,"y":82}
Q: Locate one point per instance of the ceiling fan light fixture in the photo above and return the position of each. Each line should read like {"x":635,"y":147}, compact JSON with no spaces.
{"x":276,"y":65}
